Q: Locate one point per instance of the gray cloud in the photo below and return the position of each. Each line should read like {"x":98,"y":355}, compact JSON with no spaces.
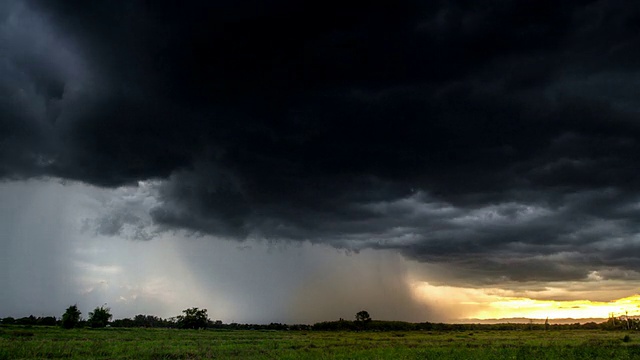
{"x":500,"y":140}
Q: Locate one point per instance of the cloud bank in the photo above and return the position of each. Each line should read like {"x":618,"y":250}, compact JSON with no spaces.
{"x":499,"y":140}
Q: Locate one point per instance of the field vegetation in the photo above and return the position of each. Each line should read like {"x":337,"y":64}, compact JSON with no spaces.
{"x":193,"y":335}
{"x":47,"y":342}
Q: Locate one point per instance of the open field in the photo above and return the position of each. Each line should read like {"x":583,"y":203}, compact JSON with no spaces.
{"x":111,"y":343}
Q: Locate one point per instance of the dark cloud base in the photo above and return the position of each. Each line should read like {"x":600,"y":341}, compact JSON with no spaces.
{"x":500,"y":139}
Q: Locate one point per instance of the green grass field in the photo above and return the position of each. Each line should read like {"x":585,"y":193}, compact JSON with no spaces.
{"x":111,"y":343}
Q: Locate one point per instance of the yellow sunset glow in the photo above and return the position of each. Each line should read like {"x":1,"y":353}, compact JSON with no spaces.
{"x":540,"y":309}
{"x":469,"y":303}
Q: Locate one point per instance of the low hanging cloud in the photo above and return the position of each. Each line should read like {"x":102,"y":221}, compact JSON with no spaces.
{"x":500,"y":140}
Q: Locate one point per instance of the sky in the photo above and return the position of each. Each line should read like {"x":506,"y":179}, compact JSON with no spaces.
{"x":295,"y":162}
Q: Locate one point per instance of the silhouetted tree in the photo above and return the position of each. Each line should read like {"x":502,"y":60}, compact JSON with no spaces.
{"x":141,"y":320}
{"x":216,"y":324}
{"x":29,"y":320}
{"x":193,"y":318}
{"x":71,"y":317}
{"x":99,"y":317}
{"x":47,"y":321}
{"x":363,"y":317}
{"x":126,"y":322}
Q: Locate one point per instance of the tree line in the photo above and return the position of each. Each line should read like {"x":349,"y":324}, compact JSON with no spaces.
{"x":196,"y":318}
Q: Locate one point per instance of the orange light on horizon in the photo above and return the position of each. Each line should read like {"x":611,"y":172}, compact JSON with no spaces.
{"x":470,"y":303}
{"x":555,"y":309}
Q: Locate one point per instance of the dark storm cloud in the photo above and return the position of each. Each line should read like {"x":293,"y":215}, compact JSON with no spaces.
{"x":501,"y":138}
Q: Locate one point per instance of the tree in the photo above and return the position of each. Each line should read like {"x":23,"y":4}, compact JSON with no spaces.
{"x":47,"y":321}
{"x":99,"y":317}
{"x":193,"y":318}
{"x":141,"y":320}
{"x":363,"y":317}
{"x":29,"y":320}
{"x":71,"y":317}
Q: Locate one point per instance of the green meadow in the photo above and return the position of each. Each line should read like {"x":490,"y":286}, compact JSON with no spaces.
{"x":41,"y":342}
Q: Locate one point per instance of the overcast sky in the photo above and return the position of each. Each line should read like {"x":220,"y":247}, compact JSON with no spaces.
{"x":300,"y":161}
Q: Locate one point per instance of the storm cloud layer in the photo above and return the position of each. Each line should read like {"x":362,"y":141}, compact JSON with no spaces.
{"x":499,"y":138}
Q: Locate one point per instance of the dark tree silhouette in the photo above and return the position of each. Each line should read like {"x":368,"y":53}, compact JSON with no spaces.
{"x":99,"y":317}
{"x":47,"y":321}
{"x":193,"y":318}
{"x":71,"y":317}
{"x":363,"y":317}
{"x":141,"y":320}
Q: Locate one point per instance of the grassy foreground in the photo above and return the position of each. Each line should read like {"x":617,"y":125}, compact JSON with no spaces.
{"x":111,"y":343}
